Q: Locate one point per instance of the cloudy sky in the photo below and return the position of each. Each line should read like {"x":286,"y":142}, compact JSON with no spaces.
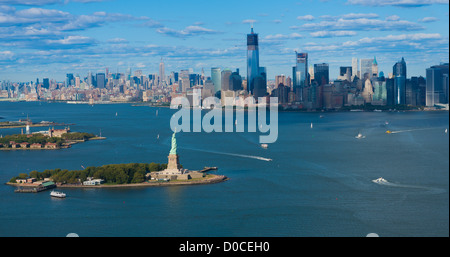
{"x":49,"y":38}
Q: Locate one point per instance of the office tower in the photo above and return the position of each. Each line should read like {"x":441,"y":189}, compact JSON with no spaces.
{"x":354,"y":67}
{"x":390,"y":91}
{"x":100,"y":78}
{"x":380,"y":92}
{"x":300,"y":75}
{"x":345,"y":73}
{"x":252,"y":60}
{"x":374,"y":67}
{"x":235,"y":81}
{"x":37,"y":81}
{"x":437,"y":85}
{"x":69,"y":79}
{"x":399,"y":73}
{"x":280,"y":79}
{"x":175,"y":77}
{"x":225,"y":80}
{"x":45,"y":83}
{"x":321,"y":73}
{"x":77,"y":81}
{"x":185,"y":81}
{"x":89,"y":80}
{"x":366,"y":68}
{"x":162,"y":78}
{"x":216,"y":78}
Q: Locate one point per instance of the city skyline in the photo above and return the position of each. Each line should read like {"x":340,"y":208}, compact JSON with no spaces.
{"x":49,"y":38}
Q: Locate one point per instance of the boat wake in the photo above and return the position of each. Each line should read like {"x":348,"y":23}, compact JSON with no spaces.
{"x":235,"y":154}
{"x":384,"y":182}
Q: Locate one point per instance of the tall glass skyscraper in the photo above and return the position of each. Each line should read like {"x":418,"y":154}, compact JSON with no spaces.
{"x":437,"y":85}
{"x":216,"y":78}
{"x":399,"y":72}
{"x":300,"y":75}
{"x":322,"y":73}
{"x":252,"y":60}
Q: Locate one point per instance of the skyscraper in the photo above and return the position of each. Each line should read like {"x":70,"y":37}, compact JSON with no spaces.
{"x":374,"y":67}
{"x":162,"y":78}
{"x":354,"y":67}
{"x":321,"y":73}
{"x":366,"y":68}
{"x":437,"y":85}
{"x":300,"y":74}
{"x":252,"y":60}
{"x":235,"y":81}
{"x":399,"y":73}
{"x":225,"y":80}
{"x":185,"y":81}
{"x":100,"y":80}
{"x":216,"y":78}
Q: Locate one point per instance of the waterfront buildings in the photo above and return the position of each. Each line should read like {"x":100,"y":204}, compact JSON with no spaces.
{"x":437,"y":85}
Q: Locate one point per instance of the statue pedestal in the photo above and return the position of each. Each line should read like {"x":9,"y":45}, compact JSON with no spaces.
{"x":173,"y":167}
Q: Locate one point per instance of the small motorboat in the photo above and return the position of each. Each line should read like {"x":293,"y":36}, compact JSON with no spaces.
{"x":359,"y":136}
{"x":380,"y":180}
{"x":265,"y":146}
{"x":57,"y":194}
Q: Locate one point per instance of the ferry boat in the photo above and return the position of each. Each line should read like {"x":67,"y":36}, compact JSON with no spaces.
{"x":57,"y":194}
{"x":380,"y":179}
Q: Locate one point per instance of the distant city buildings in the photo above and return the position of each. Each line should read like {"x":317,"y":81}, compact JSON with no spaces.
{"x":359,"y":82}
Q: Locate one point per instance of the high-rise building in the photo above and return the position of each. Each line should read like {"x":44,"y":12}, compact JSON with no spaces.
{"x":300,"y":74}
{"x":225,"y":80}
{"x":69,"y":79}
{"x":216,"y":77}
{"x":235,"y":81}
{"x":374,"y":67}
{"x":399,"y":73}
{"x":321,"y":73}
{"x":252,"y":60}
{"x":100,"y":78}
{"x":185,"y":81}
{"x":162,"y":78}
{"x":354,"y":67}
{"x":437,"y":85}
{"x":366,"y":68}
{"x":45,"y":83}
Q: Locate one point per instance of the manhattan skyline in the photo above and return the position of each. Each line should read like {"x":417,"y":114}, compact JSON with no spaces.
{"x":49,"y":38}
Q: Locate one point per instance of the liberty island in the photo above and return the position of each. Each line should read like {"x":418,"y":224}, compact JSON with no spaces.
{"x":129,"y":175}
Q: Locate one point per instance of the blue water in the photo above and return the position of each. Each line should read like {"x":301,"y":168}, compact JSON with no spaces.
{"x":318,"y":184}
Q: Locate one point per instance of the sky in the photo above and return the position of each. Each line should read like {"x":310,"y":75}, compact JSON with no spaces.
{"x":50,"y":38}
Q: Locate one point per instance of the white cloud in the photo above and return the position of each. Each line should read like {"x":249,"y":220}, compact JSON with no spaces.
{"x":399,"y":3}
{"x":306,"y":17}
{"x":428,"y":19}
{"x":362,"y":24}
{"x":339,"y":33}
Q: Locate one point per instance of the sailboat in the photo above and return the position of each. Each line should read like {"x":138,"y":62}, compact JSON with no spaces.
{"x":116,"y":114}
{"x":311,"y":125}
{"x":157,"y":137}
{"x":445,"y":131}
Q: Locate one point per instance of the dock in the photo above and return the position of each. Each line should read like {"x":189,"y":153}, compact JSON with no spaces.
{"x":35,"y":189}
{"x":206,"y":169}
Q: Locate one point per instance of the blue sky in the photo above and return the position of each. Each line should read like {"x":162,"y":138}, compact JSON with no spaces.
{"x":49,"y":38}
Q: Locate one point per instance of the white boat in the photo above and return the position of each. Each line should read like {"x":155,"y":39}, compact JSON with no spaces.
{"x":57,"y":194}
{"x":380,"y":180}
{"x":311,"y":125}
{"x":157,"y":137}
{"x":265,"y":146}
{"x":359,"y":136}
{"x":445,"y":131}
{"x":116,"y":114}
